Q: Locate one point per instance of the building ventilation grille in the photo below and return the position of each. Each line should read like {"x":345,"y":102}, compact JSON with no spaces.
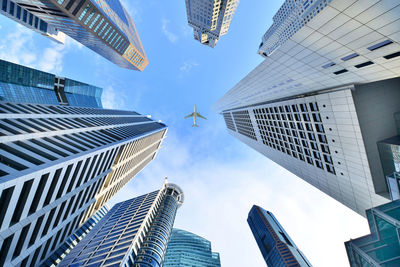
{"x":229,"y":121}
{"x":243,"y":123}
{"x":296,"y":130}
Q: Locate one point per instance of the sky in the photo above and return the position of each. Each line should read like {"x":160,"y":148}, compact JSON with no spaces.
{"x":221,"y":177}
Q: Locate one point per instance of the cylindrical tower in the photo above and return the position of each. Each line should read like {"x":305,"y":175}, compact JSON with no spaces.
{"x":154,"y":245}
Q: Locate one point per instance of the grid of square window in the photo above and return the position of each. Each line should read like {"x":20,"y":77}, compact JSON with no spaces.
{"x":297,"y":130}
{"x":243,"y":123}
{"x":229,"y":121}
{"x":111,"y":242}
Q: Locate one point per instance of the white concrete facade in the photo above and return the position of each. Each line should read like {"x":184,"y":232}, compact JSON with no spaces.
{"x":337,"y":161}
{"x":347,"y":42}
{"x":346,"y":56}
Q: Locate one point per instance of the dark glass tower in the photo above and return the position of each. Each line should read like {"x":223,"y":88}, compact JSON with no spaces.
{"x":102,"y":25}
{"x":133,"y":233}
{"x":277,"y":248}
{"x":188,"y":249}
{"x":26,"y":85}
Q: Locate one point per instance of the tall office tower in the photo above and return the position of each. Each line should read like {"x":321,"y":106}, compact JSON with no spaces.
{"x":63,"y":250}
{"x":188,"y":249}
{"x":324,"y":96}
{"x":382,"y":246}
{"x":274,"y":243}
{"x":26,"y":85}
{"x":210,"y":19}
{"x":103,"y":26}
{"x":133,"y":233}
{"x":59,"y":165}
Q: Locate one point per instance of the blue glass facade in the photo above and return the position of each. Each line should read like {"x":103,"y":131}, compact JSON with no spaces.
{"x":81,"y":94}
{"x":26,"y":94}
{"x":382,"y":246}
{"x":188,"y":249}
{"x":111,"y":239}
{"x":21,"y":84}
{"x":75,"y":238}
{"x":101,"y":25}
{"x":133,"y":233}
{"x":156,"y":241}
{"x":277,"y":248}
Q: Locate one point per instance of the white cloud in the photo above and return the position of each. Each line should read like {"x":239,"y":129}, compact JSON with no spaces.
{"x":188,"y":65}
{"x":112,"y":99}
{"x":52,"y":58}
{"x":164,"y":27}
{"x":18,"y":47}
{"x":220,"y":191}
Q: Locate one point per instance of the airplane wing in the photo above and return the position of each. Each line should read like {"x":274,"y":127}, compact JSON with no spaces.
{"x":190,"y":115}
{"x":198,"y":115}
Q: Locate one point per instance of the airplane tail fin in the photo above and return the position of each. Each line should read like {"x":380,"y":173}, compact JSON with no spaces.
{"x":195,"y":125}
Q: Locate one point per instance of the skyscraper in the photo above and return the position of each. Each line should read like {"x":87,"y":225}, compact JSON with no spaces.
{"x":382,"y":246}
{"x":133,"y":233}
{"x":60,"y":164}
{"x":188,"y":249}
{"x":308,"y":105}
{"x":210,"y":19}
{"x":276,"y":247}
{"x":63,"y":250}
{"x":26,"y":85}
{"x":103,"y":26}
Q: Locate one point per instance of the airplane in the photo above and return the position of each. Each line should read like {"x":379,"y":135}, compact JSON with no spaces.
{"x":195,"y":114}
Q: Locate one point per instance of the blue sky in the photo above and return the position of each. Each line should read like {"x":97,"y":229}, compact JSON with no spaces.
{"x":222,"y":178}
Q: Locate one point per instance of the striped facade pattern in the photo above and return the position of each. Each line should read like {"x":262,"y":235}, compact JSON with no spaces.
{"x":119,"y":234}
{"x":58,"y":166}
{"x":96,"y":25}
{"x":133,"y":233}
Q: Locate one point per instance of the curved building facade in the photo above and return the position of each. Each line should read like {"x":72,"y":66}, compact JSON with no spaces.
{"x":133,"y":233}
{"x":188,"y":249}
{"x":156,"y":241}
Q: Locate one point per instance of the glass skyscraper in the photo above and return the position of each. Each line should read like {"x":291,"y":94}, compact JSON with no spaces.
{"x":277,"y":248}
{"x":133,"y":233}
{"x":64,"y":249}
{"x":59,"y":163}
{"x":102,"y":25}
{"x":26,"y":85}
{"x":382,"y":246}
{"x":188,"y":249}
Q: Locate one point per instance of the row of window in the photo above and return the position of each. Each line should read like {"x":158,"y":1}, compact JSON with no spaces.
{"x":23,"y":15}
{"x":44,"y":224}
{"x":52,"y":109}
{"x":51,"y":196}
{"x":52,"y":148}
{"x":229,"y":121}
{"x":74,"y":238}
{"x":118,"y":231}
{"x":243,"y":123}
{"x":117,"y":186}
{"x":92,"y":18}
{"x":287,"y":130}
